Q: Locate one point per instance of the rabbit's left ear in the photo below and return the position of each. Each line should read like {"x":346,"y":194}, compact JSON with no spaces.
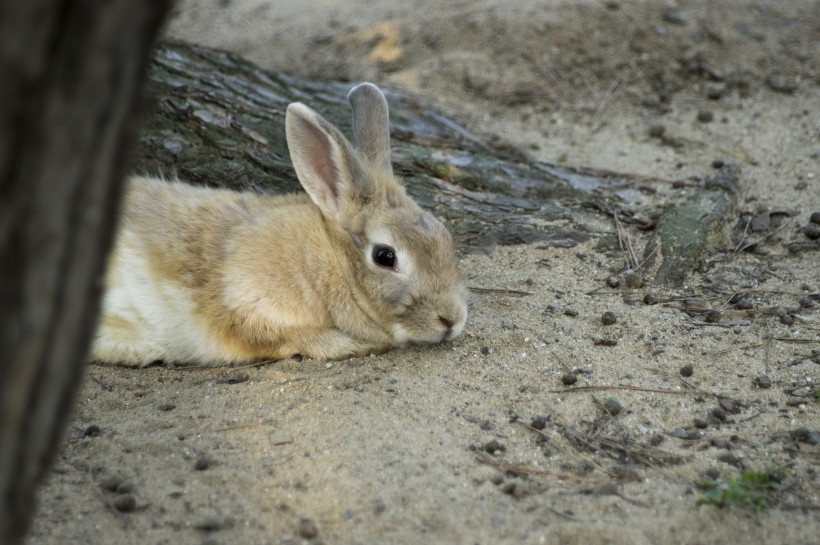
{"x":325,"y":162}
{"x":371,"y":125}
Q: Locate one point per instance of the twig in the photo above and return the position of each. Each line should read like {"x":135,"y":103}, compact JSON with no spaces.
{"x":499,"y":291}
{"x":619,"y":387}
{"x":608,"y":96}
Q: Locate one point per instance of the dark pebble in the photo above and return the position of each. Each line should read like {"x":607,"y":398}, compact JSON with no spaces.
{"x":686,"y":370}
{"x":805,"y":302}
{"x":805,"y":436}
{"x":307,"y":529}
{"x":744,"y":304}
{"x":727,"y":405}
{"x":539,"y":422}
{"x":612,"y":4}
{"x":815,"y":218}
{"x":700,"y":423}
{"x":719,"y":414}
{"x":713,"y":316}
{"x":485,"y":350}
{"x":720,"y":443}
{"x":650,"y":299}
{"x":111,"y":483}
{"x":673,"y":17}
{"x":92,"y":431}
{"x":613,"y":406}
{"x":787,"y":319}
{"x":718,"y":163}
{"x":211,"y":523}
{"x":706,"y":116}
{"x":494,"y":446}
{"x":202,"y":463}
{"x":124,"y":502}
{"x":167,"y":407}
{"x":731,"y":459}
{"x":715,"y":91}
{"x":608,"y":318}
{"x":571,"y":312}
{"x":679,"y":433}
{"x":812,"y":232}
{"x":656,"y":130}
{"x":763,"y":381}
{"x":781,"y":84}
{"x":297,"y":357}
{"x":568,"y":379}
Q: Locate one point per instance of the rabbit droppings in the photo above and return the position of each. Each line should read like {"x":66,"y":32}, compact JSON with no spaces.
{"x":353,"y":267}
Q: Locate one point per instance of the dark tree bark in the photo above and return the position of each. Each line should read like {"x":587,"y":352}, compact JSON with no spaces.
{"x":70,"y":78}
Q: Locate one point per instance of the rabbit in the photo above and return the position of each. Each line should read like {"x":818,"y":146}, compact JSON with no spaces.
{"x":352,"y":267}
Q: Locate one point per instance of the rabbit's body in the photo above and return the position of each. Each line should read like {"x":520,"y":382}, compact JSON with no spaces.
{"x":209,"y":276}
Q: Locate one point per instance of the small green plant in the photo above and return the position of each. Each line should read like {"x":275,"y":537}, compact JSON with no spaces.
{"x":751,"y":490}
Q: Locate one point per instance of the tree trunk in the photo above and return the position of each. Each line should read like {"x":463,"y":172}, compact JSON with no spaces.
{"x":70,"y":78}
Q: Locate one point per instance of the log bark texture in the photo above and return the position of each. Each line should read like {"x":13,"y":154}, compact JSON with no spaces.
{"x":70,"y":80}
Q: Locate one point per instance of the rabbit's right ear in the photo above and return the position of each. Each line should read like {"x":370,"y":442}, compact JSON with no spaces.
{"x":371,"y":125}
{"x":324,"y":160}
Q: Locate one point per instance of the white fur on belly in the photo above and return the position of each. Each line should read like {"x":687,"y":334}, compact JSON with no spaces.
{"x":145,"y":319}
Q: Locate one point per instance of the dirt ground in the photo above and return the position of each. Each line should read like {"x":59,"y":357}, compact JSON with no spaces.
{"x":438,"y":444}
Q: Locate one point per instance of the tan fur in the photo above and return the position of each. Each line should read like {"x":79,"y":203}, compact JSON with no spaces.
{"x":208,"y":276}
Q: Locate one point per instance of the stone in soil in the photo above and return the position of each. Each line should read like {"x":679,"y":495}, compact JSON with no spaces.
{"x":609,"y":318}
{"x":744,"y":304}
{"x":124,"y":503}
{"x":713,"y":316}
{"x":815,"y":218}
{"x":307,"y":528}
{"x":539,"y":422}
{"x":202,"y":463}
{"x":568,"y":379}
{"x":763,"y":381}
{"x":212,"y":523}
{"x":613,"y":406}
{"x":687,"y":370}
{"x":494,"y":446}
{"x":650,"y":299}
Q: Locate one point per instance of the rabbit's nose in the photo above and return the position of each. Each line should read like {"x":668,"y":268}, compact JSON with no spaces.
{"x":446,"y":322}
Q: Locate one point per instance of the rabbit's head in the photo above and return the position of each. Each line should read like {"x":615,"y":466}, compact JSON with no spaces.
{"x":402,"y":258}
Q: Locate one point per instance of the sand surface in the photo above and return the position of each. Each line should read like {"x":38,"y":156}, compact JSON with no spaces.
{"x":435,"y":444}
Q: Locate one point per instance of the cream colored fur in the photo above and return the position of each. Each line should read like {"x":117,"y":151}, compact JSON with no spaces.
{"x":206,"y":276}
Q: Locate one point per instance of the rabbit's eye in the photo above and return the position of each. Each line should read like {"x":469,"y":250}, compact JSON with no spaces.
{"x":384,"y":256}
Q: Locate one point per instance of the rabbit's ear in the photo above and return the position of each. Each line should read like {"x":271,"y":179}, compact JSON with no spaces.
{"x":325,"y":162}
{"x":371,"y":125}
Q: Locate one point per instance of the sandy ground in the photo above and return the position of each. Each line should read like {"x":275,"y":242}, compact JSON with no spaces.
{"x":435,"y":444}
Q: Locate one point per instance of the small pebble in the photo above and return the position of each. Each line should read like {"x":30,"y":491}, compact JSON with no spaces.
{"x":485,"y":350}
{"x":124,"y":502}
{"x":211,"y":523}
{"x":613,"y":406}
{"x":307,"y":529}
{"x":744,"y":304}
{"x":787,"y":319}
{"x":706,"y":116}
{"x":763,"y":381}
{"x":571,"y":312}
{"x":718,"y":163}
{"x":656,"y":130}
{"x":167,"y":406}
{"x":713,"y":316}
{"x":111,"y":483}
{"x":719,"y":414}
{"x":633,"y":280}
{"x":92,"y":431}
{"x":650,"y":299}
{"x":686,"y":370}
{"x":568,"y":379}
{"x":673,"y":16}
{"x":700,"y":423}
{"x":202,"y":463}
{"x":812,"y":232}
{"x":805,"y":302}
{"x":608,"y":318}
{"x":714,"y":91}
{"x":539,"y":422}
{"x":297,"y":357}
{"x":727,"y":405}
{"x":494,"y":446}
{"x":815,"y":218}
